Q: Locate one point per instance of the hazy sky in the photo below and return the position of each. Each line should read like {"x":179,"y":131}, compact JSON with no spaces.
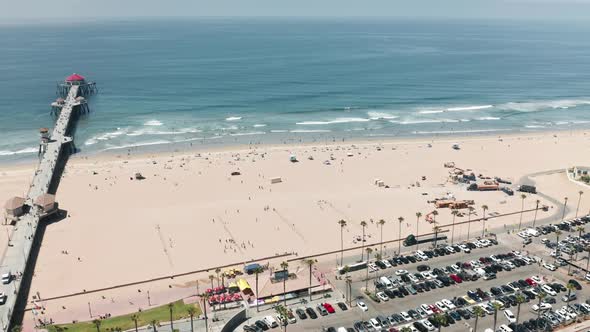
{"x":536,"y":9}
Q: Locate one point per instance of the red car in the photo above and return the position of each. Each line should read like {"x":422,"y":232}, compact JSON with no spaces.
{"x":456,"y":278}
{"x":434,"y":309}
{"x":530,"y":282}
{"x":329,"y":308}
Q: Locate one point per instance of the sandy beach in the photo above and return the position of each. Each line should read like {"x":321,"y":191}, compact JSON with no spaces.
{"x":191,"y":213}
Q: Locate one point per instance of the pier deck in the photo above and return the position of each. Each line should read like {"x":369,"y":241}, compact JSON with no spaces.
{"x":17,"y":254}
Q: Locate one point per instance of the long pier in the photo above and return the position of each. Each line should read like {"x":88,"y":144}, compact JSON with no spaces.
{"x":17,"y":255}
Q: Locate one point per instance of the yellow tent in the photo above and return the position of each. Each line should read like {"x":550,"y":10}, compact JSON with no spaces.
{"x":244,"y":286}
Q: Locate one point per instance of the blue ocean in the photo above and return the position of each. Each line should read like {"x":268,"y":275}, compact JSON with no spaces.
{"x":169,"y":84}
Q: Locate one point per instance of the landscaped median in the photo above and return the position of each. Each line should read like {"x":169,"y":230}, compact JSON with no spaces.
{"x":180,"y":310}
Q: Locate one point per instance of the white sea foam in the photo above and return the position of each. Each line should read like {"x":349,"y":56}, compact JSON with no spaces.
{"x":536,"y":106}
{"x":279,"y":131}
{"x":154,"y":123}
{"x":376,"y":115}
{"x":21,"y":151}
{"x":411,"y":122}
{"x":469,"y":108}
{"x":488,"y":118}
{"x":233,"y":118}
{"x":335,"y":121}
{"x":134,"y":145}
{"x":458,"y":131}
{"x":248,"y":134}
{"x":534,"y":126}
{"x":310,"y":131}
{"x":431,"y":111}
{"x":259,"y":125}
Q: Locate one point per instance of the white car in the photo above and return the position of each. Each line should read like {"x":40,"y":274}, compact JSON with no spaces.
{"x":382,"y":297}
{"x":375,"y":324}
{"x":450,"y":249}
{"x":426,"y":309}
{"x":548,"y":290}
{"x":537,"y":279}
{"x":465,"y":248}
{"x":2,"y":298}
{"x":372,"y":267}
{"x":441,"y":306}
{"x":485,"y":242}
{"x":427,"y":324}
{"x":448,"y":304}
{"x":544,"y":306}
{"x":549,"y":267}
{"x":362,"y":305}
{"x":509,"y":316}
{"x":386,"y":263}
{"x":495,"y":259}
{"x":523,"y":234}
{"x":405,"y":316}
{"x":401,"y":272}
{"x":413,"y":278}
{"x":428,"y":275}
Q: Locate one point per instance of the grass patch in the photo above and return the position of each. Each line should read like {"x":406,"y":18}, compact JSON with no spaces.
{"x":160,"y":314}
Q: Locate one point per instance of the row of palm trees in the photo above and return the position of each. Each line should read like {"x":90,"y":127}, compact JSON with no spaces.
{"x":191,"y":310}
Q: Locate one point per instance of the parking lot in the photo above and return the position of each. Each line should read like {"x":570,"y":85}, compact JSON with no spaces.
{"x":507,"y":243}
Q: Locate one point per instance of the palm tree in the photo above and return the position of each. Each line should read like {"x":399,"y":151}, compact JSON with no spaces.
{"x":496,"y":307}
{"x":310,"y":262}
{"x":348,"y":281}
{"x":381,"y":223}
{"x":570,"y":287}
{"x":541,"y":296}
{"x":155,"y":322}
{"x":434,"y":214}
{"x":522,"y":196}
{"x":211,"y":278}
{"x":205,"y":297}
{"x":406,"y":329}
{"x":519,"y":301}
{"x":369,"y":251}
{"x":191,"y":312}
{"x":364,"y":225}
{"x":564,"y":206}
{"x":436,"y":229}
{"x":171,"y":308}
{"x":580,"y":193}
{"x":441,"y":319}
{"x":284,"y":266}
{"x":455,"y":212}
{"x":97,"y":323}
{"x":478,"y":311}
{"x":557,"y":234}
{"x":378,"y":257}
{"x":135,"y":319}
{"x":257,"y":271}
{"x":399,"y":235}
{"x":217,"y":270}
{"x":484,"y":208}
{"x":342,"y":224}
{"x":471,"y":209}
{"x":282,"y":311}
{"x":418,"y":215}
{"x":536,"y":210}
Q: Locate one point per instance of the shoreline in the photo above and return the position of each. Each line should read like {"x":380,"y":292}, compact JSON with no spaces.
{"x":150,"y":151}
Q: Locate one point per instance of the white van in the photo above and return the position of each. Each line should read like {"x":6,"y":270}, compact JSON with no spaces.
{"x":270,"y":321}
{"x":386,"y":282}
{"x":504,"y":328}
